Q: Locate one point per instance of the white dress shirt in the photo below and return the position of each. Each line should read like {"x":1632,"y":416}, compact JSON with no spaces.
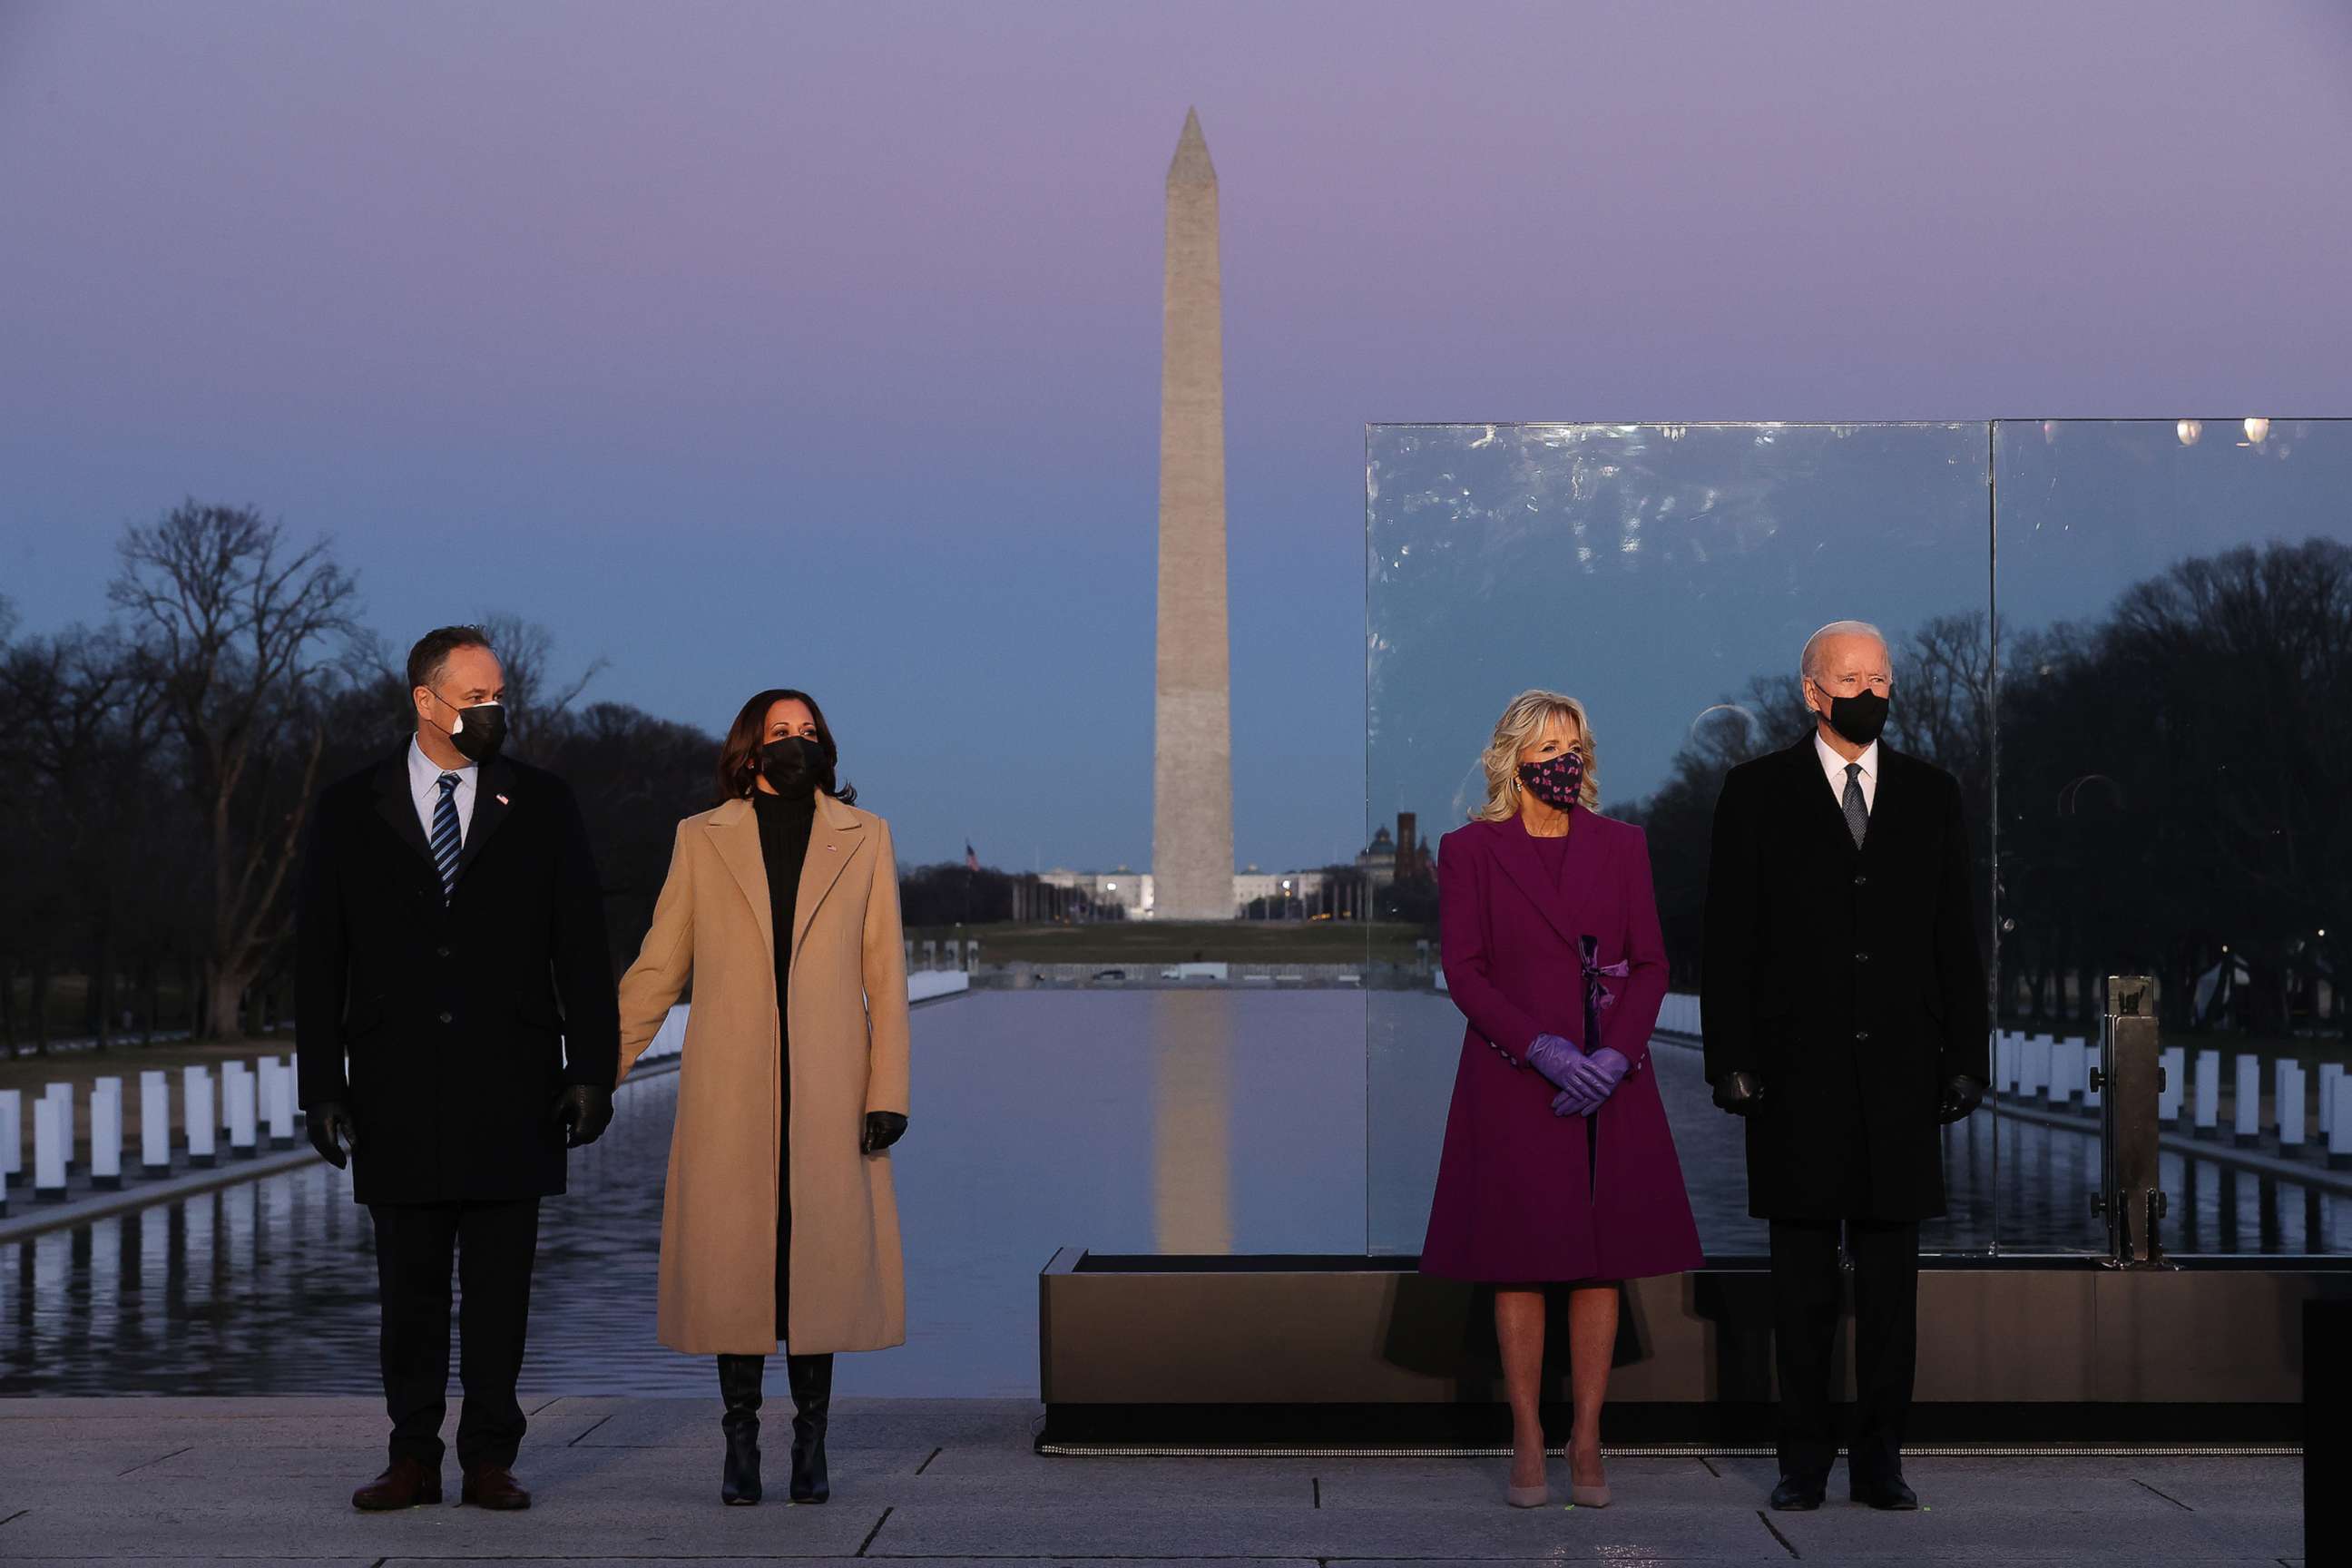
{"x":1834,"y":766}
{"x":425,"y":787}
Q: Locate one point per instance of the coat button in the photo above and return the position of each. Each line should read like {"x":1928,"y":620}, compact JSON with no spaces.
{"x":1861,"y":880}
{"x":1862,"y":1033}
{"x":441,"y":953}
{"x":447,"y":1018}
{"x":1861,"y":958}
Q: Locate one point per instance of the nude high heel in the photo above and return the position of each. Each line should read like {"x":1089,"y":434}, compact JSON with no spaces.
{"x":1537,"y":1496}
{"x":1584,"y":1496}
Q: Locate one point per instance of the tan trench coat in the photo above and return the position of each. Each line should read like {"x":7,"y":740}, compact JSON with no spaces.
{"x":849,"y":1048}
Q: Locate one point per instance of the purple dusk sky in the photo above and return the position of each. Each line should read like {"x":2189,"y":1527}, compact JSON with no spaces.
{"x":814,"y":344}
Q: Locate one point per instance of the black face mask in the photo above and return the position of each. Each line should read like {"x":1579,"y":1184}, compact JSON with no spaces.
{"x":794,"y":765}
{"x":1859,"y":718}
{"x":481,"y":728}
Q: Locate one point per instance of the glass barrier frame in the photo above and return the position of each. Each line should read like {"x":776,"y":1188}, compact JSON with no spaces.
{"x":2059,"y":523}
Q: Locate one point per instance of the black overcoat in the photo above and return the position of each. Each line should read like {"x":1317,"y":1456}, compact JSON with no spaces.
{"x":1851,"y":983}
{"x":460,"y":1025}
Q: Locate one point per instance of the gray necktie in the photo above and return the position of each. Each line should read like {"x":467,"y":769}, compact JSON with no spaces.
{"x":1857,"y":815}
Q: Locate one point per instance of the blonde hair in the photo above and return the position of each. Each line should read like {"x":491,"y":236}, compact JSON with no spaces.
{"x":1521,"y":723}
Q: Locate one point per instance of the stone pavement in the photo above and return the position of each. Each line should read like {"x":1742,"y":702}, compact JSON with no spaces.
{"x":156,"y":1481}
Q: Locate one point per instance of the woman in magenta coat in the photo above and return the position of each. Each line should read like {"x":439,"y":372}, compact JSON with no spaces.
{"x":1558,"y":1169}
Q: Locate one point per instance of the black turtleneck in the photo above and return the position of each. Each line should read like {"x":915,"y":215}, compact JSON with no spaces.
{"x":784,"y":828}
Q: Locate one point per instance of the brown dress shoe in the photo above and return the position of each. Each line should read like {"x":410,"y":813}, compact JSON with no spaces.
{"x":404,"y":1484}
{"x":493,"y":1486}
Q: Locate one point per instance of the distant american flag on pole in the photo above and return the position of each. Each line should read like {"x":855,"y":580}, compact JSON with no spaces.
{"x":971,"y":860}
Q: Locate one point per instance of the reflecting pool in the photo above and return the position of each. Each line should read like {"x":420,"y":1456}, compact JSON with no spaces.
{"x":1168,"y":1121}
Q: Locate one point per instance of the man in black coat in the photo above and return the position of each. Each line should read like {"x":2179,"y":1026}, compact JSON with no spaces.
{"x":452,"y":950}
{"x":1842,"y":995}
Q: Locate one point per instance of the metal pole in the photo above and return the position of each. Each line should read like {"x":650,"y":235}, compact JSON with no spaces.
{"x":2130,"y":1081}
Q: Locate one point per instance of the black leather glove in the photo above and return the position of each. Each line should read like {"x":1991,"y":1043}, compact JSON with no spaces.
{"x":585,"y":1110}
{"x":883,"y":1128}
{"x":1739,"y":1092}
{"x":1961,"y":1095}
{"x":332,"y":1132}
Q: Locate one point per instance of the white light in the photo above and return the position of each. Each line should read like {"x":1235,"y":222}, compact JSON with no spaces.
{"x":1112,"y":885}
{"x":2189,"y":430}
{"x":2257,"y":428}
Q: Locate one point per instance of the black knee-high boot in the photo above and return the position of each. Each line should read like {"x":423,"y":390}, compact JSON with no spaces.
{"x":812,"y":1380}
{"x":739,"y":1386}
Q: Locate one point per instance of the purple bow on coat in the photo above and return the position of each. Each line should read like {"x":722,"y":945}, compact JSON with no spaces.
{"x":1598,"y":998}
{"x":1594,"y":1077}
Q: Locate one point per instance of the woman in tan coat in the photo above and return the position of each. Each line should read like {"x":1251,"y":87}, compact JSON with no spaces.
{"x":779,"y":1223}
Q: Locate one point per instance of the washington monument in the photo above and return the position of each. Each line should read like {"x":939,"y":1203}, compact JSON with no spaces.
{"x":1193,"y":751}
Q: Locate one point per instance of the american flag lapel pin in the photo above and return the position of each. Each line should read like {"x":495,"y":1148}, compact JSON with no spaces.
{"x":502,"y":800}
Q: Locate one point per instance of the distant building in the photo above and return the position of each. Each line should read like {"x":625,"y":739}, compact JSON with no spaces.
{"x":1125,"y":894}
{"x":1413,"y":857}
{"x":1276,"y":888}
{"x":1118,"y":895}
{"x":1396,"y":856}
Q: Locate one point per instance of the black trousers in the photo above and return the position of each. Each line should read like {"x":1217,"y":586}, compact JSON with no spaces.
{"x":1805,"y":1307}
{"x":494,"y":1244}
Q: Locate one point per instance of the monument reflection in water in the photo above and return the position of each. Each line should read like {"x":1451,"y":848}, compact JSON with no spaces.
{"x":1192,"y":1121}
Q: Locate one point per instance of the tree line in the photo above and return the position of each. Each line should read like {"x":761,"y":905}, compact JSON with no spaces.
{"x":2172,"y":787}
{"x":162,"y":763}
{"x":2172,"y":779}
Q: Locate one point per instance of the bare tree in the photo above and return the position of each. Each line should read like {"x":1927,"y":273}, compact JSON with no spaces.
{"x":1943,"y":710}
{"x":80,"y":715}
{"x":240,"y":631}
{"x":526,"y":652}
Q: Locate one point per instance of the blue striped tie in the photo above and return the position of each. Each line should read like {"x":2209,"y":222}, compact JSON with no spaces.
{"x":447,"y":839}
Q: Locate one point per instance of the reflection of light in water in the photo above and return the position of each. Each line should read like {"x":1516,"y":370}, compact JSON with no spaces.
{"x":1192,"y":1110}
{"x":104,"y":1309}
{"x":2189,"y":430}
{"x":154,"y":1229}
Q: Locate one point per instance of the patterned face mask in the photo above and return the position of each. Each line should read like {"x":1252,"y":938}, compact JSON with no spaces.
{"x":1555,"y":780}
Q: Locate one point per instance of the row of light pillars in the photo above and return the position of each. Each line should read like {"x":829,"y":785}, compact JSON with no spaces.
{"x":252,"y":1105}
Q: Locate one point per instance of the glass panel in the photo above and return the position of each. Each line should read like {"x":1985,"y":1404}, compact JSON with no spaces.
{"x":1668,"y":576}
{"x":2176,"y":753}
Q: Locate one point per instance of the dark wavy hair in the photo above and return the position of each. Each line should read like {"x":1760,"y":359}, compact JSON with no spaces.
{"x":738,"y":758}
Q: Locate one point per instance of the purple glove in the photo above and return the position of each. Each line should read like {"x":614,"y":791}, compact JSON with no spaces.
{"x":1591,"y":1079}
{"x":1555,"y":1058}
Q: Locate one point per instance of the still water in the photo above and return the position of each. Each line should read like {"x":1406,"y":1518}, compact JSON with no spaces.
{"x":1196,"y":1121}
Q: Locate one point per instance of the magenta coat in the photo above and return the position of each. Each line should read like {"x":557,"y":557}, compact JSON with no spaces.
{"x":1524,"y":1195}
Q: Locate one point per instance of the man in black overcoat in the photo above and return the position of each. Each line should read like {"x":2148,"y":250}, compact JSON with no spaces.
{"x":1842,"y":998}
{"x":457,"y":1029}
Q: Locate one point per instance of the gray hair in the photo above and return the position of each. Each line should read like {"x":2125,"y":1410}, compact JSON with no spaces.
{"x":1809,"y":661}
